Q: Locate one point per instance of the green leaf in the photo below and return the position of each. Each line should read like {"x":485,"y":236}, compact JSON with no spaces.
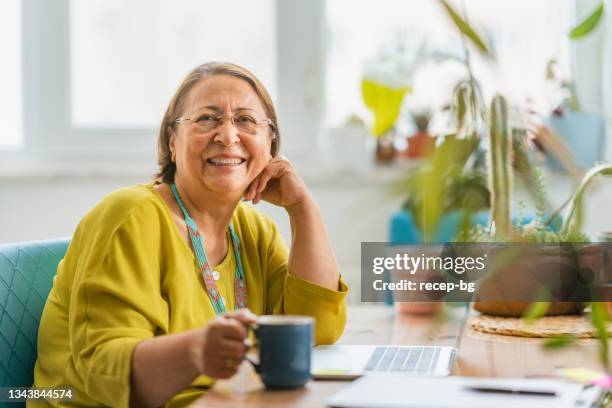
{"x":384,"y":102}
{"x":573,"y":220}
{"x":465,"y":28}
{"x":535,"y":311}
{"x":588,"y":24}
{"x":598,"y":318}
{"x":555,"y":343}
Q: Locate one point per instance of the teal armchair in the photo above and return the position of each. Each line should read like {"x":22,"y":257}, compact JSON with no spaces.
{"x":26,"y":276}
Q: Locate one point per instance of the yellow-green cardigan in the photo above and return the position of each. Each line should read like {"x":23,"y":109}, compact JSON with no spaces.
{"x":128,"y":276}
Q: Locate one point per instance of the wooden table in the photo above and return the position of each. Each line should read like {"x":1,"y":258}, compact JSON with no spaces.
{"x":480,"y":354}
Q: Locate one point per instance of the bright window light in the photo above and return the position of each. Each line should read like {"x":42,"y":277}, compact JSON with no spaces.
{"x":525,"y":34}
{"x":11,"y":136}
{"x":128,"y":57}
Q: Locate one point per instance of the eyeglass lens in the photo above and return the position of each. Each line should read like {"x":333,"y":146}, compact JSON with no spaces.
{"x":207,"y":123}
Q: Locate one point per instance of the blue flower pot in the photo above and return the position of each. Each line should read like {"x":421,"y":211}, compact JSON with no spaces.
{"x":584,"y":134}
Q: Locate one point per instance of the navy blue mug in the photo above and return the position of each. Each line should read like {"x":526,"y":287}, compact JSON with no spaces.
{"x":285,"y":350}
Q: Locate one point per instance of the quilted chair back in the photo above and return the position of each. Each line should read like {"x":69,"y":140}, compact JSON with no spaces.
{"x":26,"y":276}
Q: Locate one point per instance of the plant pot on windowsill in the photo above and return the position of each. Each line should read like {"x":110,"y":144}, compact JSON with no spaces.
{"x":518,"y":280}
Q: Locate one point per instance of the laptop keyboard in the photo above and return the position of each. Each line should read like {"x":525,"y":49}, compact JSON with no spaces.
{"x":403,"y":359}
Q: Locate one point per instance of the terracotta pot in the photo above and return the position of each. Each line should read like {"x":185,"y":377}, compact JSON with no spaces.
{"x":417,"y":303}
{"x":385,"y":147}
{"x":421,"y":144}
{"x":385,"y":150}
{"x":518,"y":275}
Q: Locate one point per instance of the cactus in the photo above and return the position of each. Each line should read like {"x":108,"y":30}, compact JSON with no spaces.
{"x":500,"y":166}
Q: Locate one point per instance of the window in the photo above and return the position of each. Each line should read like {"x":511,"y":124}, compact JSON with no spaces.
{"x":11,"y":136}
{"x":525,"y":34}
{"x":98,"y":74}
{"x":127,"y":58}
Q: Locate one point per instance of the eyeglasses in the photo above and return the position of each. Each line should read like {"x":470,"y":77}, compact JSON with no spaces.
{"x":207,"y":123}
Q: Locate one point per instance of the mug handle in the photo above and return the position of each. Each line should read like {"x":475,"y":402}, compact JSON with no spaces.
{"x":257,"y":366}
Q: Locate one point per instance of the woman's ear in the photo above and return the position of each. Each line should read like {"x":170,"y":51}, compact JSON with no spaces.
{"x":272,"y":147}
{"x":171,"y":145}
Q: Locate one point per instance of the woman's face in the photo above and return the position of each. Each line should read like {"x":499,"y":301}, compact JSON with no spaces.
{"x":226,"y":159}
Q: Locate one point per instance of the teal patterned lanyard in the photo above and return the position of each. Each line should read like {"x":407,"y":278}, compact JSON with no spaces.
{"x":198,"y":248}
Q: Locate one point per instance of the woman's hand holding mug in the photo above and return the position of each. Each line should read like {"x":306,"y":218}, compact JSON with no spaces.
{"x":222,"y":344}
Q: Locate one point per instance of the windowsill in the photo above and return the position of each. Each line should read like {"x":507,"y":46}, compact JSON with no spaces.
{"x":53,"y":171}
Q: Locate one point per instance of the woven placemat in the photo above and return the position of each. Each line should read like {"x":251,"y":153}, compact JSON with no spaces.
{"x":547,"y":326}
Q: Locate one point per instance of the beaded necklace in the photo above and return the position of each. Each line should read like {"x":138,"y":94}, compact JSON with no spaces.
{"x":200,"y":253}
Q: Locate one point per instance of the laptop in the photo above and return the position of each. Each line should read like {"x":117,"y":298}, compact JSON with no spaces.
{"x":347,"y":362}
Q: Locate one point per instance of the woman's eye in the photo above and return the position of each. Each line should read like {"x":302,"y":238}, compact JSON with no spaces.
{"x":207,"y":119}
{"x":246,"y":119}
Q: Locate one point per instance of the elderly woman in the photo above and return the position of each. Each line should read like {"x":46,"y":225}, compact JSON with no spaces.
{"x":151,"y":302}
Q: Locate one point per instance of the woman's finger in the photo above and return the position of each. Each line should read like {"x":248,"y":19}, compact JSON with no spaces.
{"x":229,"y":348}
{"x":226,"y":366}
{"x":243,"y":315}
{"x":280,"y":167}
{"x":233,"y":329}
{"x":274,"y":170}
{"x":263,"y":180}
{"x":264,"y":177}
{"x":251,"y":189}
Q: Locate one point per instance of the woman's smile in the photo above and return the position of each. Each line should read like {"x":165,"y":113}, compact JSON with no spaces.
{"x":226,"y":161}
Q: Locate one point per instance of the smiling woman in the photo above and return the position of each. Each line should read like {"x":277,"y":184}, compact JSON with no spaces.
{"x":151,"y":301}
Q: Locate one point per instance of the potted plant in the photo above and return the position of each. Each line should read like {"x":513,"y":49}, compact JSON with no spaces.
{"x":448,"y":193}
{"x":520,"y":272}
{"x":384,"y":102}
{"x":421,"y":144}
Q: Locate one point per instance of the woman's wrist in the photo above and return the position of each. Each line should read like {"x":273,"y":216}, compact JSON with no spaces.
{"x":302,"y":207}
{"x":195,"y":347}
{"x":164,"y":365}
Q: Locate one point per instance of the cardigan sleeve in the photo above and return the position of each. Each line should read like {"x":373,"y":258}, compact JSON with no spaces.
{"x":288,"y":294}
{"x":116,"y":303}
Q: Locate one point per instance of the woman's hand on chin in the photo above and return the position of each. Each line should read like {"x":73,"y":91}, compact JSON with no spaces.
{"x":278,"y":184}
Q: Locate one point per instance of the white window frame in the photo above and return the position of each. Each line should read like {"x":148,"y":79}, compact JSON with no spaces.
{"x":50,"y":137}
